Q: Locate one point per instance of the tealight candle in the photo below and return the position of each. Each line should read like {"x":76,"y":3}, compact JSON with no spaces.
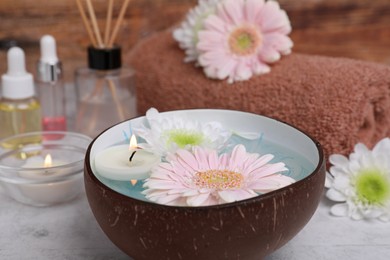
{"x":125,"y":162}
{"x":42,"y":165}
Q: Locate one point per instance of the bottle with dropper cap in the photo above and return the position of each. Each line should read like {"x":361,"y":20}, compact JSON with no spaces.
{"x":50,"y":86}
{"x":19,"y":109}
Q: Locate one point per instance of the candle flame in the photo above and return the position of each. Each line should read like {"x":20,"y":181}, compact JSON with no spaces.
{"x":133,"y":182}
{"x":48,"y":161}
{"x":133,"y":143}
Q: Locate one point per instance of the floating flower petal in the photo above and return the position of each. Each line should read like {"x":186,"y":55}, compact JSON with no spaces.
{"x":202,"y":177}
{"x":165,"y":134}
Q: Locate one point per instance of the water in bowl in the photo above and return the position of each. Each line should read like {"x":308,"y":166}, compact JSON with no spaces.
{"x":298,"y":166}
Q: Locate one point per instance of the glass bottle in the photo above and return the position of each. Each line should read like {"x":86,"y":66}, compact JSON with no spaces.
{"x":106,"y":93}
{"x":19,"y":108}
{"x":50,"y":86}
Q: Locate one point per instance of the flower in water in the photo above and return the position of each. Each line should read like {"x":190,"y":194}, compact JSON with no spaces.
{"x":166,"y":134}
{"x":187,"y":33}
{"x":242,"y":37}
{"x":204,"y":178}
{"x":361,"y":184}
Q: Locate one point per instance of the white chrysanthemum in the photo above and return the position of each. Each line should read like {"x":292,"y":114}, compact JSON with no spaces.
{"x":187,"y":33}
{"x":166,"y":134}
{"x":361,"y":184}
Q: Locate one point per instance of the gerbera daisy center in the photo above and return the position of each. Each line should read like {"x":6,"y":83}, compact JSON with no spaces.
{"x":218,"y":179}
{"x":184,"y":137}
{"x":372,"y":187}
{"x":244,"y":40}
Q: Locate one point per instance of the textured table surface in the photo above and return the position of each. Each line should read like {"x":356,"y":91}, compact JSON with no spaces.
{"x":69,"y":231}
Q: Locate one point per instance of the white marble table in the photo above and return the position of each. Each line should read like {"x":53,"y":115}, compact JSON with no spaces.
{"x":69,"y":231}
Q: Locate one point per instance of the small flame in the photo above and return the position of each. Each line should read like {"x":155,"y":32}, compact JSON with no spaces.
{"x":133,"y":182}
{"x":48,"y":161}
{"x":133,"y":143}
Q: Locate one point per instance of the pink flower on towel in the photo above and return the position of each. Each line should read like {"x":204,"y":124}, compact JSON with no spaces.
{"x":203,"y":178}
{"x":242,"y":37}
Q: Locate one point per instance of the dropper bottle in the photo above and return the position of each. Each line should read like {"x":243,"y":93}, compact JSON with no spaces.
{"x":19,"y":108}
{"x":50,"y":86}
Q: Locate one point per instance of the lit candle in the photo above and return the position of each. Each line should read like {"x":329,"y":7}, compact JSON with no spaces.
{"x":37,"y":162}
{"x":125,"y":162}
{"x":51,"y":190}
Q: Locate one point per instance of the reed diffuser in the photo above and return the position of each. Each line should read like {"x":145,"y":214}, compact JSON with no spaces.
{"x":106,"y":92}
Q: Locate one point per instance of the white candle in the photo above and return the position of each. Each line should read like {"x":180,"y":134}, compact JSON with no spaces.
{"x":43,"y":167}
{"x":122,"y":164}
{"x":53,"y":191}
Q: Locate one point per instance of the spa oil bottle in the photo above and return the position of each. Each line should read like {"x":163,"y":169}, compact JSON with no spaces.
{"x":20,"y":111}
{"x":50,"y":86}
{"x":106,"y":93}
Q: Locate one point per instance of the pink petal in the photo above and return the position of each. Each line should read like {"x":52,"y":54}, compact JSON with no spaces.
{"x":260,"y":162}
{"x":233,"y":9}
{"x":209,"y":37}
{"x":269,"y":169}
{"x":223,"y":161}
{"x":210,"y":72}
{"x":201,"y":157}
{"x":226,"y":69}
{"x":252,"y":9}
{"x":213,"y":160}
{"x":213,"y":22}
{"x":238,"y":155}
{"x":272,"y":19}
{"x":212,"y":57}
{"x":270,"y":183}
{"x":198,"y":200}
{"x":278,"y":41}
{"x":269,"y":54}
{"x":187,"y":159}
{"x":243,"y":71}
{"x":235,"y":195}
{"x":221,"y":13}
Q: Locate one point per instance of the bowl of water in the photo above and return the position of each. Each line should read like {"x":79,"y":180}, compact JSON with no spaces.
{"x":246,"y":229}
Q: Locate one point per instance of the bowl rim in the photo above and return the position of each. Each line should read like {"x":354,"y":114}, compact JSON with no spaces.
{"x":49,"y":179}
{"x":321,"y":162}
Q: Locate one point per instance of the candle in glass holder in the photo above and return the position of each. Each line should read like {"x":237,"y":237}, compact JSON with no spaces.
{"x":125,"y":162}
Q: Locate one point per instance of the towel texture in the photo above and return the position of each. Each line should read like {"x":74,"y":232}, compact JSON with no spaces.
{"x":336,"y":100}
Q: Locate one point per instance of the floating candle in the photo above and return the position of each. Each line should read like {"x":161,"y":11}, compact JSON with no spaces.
{"x":125,"y":162}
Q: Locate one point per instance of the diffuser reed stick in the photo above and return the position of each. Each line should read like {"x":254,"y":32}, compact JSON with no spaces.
{"x":86,"y":23}
{"x":118,"y":23}
{"x":108,"y":22}
{"x":94,"y":33}
{"x":94,"y":23}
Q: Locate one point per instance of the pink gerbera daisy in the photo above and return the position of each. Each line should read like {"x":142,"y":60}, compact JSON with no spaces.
{"x":203,"y":178}
{"x":242,"y":37}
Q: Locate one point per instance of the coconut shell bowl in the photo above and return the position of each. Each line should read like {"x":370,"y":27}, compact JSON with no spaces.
{"x":247,"y":229}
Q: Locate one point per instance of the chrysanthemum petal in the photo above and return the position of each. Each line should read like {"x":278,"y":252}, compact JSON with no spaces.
{"x":339,"y":210}
{"x":335,"y":195}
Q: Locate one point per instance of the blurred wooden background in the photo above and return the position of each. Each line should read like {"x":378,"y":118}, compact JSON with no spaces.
{"x":351,"y":28}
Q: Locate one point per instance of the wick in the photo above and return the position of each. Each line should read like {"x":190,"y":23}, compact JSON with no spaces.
{"x":132,"y":155}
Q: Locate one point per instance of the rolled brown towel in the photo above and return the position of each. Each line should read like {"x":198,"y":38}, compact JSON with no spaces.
{"x":336,"y":100}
